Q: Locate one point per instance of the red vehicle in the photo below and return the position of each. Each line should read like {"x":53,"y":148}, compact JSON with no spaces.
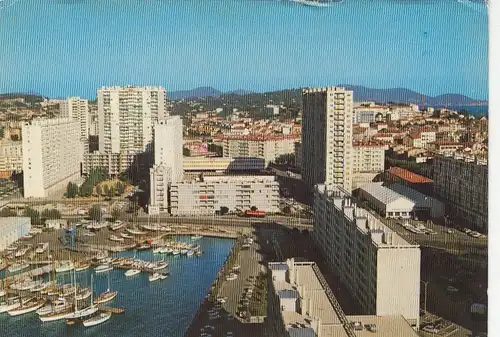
{"x":255,"y":214}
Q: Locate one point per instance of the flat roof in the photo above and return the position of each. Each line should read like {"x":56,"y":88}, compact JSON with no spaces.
{"x":383,"y":193}
{"x":387,"y":326}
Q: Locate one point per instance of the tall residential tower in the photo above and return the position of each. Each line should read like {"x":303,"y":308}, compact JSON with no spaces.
{"x":327,"y":137}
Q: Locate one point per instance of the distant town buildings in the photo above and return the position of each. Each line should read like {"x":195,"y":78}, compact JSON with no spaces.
{"x":461,"y":180}
{"x":327,"y":152}
{"x":52,"y":155}
{"x":380,"y":268}
{"x":237,"y":193}
{"x":11,"y":157}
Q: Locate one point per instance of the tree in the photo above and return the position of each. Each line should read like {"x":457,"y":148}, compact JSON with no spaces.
{"x":105,"y":189}
{"x":33,"y":214}
{"x":287,"y":210}
{"x":224,"y":210}
{"x":98,"y":190}
{"x":51,"y":214}
{"x":7,"y":212}
{"x":86,"y":189}
{"x":253,"y":208}
{"x":111,"y":192}
{"x":120,"y":188}
{"x":95,"y":213}
{"x":71,"y":190}
{"x":186,"y":152}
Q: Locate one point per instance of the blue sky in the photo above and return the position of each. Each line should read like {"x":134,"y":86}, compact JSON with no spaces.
{"x":62,"y":48}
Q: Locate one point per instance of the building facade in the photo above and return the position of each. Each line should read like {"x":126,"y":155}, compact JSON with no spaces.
{"x":52,"y":155}
{"x":327,"y":137}
{"x":78,"y":109}
{"x":168,"y":146}
{"x":368,"y":157}
{"x":12,"y":229}
{"x":126,"y":117}
{"x":11,"y":157}
{"x":461,"y":181}
{"x":159,"y":178}
{"x":269,"y":147}
{"x":237,"y":193}
{"x":221,"y":164}
{"x":380,"y":269}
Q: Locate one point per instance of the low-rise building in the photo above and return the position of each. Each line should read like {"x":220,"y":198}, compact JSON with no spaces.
{"x":302,"y":304}
{"x":56,"y":223}
{"x":11,"y":157}
{"x":223,"y":164}
{"x":237,"y":193}
{"x":405,"y":177}
{"x":379,"y":268}
{"x":12,"y":229}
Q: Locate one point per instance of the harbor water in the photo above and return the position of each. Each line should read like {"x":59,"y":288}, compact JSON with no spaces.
{"x":159,"y":308}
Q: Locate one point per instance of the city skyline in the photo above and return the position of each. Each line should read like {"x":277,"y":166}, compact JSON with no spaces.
{"x":428,"y":51}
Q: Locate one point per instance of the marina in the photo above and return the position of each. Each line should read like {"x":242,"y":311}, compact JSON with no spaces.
{"x":115,"y":293}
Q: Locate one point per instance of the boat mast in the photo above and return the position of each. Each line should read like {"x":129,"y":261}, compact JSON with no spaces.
{"x":109,"y":287}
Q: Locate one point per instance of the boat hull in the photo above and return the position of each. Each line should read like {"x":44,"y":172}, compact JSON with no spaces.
{"x":103,"y":317}
{"x":19,"y":311}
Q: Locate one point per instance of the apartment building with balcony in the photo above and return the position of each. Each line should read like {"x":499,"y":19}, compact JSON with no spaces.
{"x":52,"y":155}
{"x":327,"y":137}
{"x":77,"y":108}
{"x":302,"y":304}
{"x":237,"y":193}
{"x":380,"y":269}
{"x":368,"y":161}
{"x":269,"y":147}
{"x":461,"y":181}
{"x":160,"y":179}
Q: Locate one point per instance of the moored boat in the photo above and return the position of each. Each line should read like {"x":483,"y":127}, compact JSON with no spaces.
{"x":126,"y":236}
{"x":103,"y":268}
{"x":17,"y":267}
{"x":190,"y":253}
{"x":101,"y":318}
{"x":196,"y":237}
{"x":27,"y":308}
{"x":116,"y":238}
{"x":82,"y":266}
{"x":160,"y":265}
{"x":65,"y":266}
{"x":132,"y":272}
{"x":154,"y":277}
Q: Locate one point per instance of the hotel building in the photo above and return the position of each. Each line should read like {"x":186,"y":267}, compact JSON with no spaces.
{"x":380,"y":269}
{"x":327,"y":137}
{"x":461,"y":181}
{"x":237,"y":193}
{"x":52,"y":155}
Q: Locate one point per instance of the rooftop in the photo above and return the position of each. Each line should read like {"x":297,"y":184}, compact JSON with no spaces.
{"x":386,"y":326}
{"x":409,"y":176}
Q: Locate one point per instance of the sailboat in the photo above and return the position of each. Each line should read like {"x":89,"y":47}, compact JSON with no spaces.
{"x":31,"y":305}
{"x":101,"y":318}
{"x":59,"y":309}
{"x":108,"y":295}
{"x":81,"y":314}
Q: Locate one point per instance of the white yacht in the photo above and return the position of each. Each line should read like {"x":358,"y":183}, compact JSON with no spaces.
{"x":190,"y":253}
{"x":82,"y":266}
{"x":175,"y":252}
{"x":136,"y":232}
{"x":132,"y":272}
{"x":28,"y":307}
{"x":83,"y":294}
{"x":64,"y":267}
{"x":154,"y":277}
{"x":10,"y":304}
{"x":103,"y":268}
{"x":101,"y":318}
{"x":196,"y":237}
{"x":126,"y":236}
{"x":17,"y":267}
{"x":159,"y":265}
{"x":116,"y":238}
{"x":41,"y":247}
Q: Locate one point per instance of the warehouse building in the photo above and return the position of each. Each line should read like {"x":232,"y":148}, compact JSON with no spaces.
{"x":399,"y":201}
{"x":12,"y":229}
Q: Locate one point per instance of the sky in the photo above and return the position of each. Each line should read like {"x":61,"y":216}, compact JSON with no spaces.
{"x":64,"y":48}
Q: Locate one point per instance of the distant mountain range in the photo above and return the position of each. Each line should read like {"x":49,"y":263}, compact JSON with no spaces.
{"x":396,"y":95}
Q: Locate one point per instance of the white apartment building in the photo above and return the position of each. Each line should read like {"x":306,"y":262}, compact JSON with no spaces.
{"x":168,"y":162}
{"x":380,"y":269}
{"x":168,"y":144}
{"x":268,"y":147}
{"x":78,"y":109}
{"x":302,"y":304}
{"x":109,"y":162}
{"x":234,"y":192}
{"x":52,"y":155}
{"x":368,"y":157}
{"x":127,"y":116}
{"x":327,"y":137}
{"x":93,"y":120}
{"x":160,"y":178}
{"x":11,"y":156}
{"x":461,"y":181}
{"x":221,"y":164}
